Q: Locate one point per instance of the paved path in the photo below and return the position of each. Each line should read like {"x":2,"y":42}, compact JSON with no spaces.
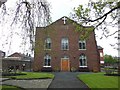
{"x":67,"y":80}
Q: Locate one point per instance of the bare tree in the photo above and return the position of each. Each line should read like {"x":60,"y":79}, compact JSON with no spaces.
{"x":2,"y":2}
{"x":28,"y":15}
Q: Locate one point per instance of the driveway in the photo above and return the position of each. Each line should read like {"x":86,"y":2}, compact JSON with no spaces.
{"x":67,"y":80}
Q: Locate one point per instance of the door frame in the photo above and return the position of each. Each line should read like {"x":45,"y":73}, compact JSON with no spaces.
{"x":68,"y":63}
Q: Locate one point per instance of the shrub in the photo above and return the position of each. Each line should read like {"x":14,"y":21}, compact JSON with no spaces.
{"x":56,"y":69}
{"x":73,"y":69}
{"x":108,"y":70}
{"x":95,"y":71}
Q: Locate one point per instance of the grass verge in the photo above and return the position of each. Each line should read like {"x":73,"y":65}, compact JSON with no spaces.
{"x":9,"y":87}
{"x":32,"y":75}
{"x":99,"y":80}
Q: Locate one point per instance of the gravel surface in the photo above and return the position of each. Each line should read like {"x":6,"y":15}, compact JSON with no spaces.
{"x":2,"y":79}
{"x":29,"y":84}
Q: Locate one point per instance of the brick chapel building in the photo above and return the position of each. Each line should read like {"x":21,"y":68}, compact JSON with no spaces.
{"x":58,"y":47}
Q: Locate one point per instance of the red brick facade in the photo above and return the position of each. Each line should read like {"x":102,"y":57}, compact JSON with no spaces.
{"x":56,"y":31}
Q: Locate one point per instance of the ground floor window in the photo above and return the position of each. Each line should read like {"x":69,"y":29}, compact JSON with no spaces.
{"x":83,"y":60}
{"x":47,"y":60}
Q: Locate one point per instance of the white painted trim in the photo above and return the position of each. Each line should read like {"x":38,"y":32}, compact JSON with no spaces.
{"x":61,"y":64}
{"x":102,"y":62}
{"x":46,"y":66}
{"x":101,"y":54}
{"x":69,"y":65}
{"x":82,"y":49}
{"x":83,"y":66}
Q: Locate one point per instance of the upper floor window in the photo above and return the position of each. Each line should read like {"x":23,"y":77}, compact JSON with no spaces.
{"x":82,"y":44}
{"x":64,"y":44}
{"x":83,"y":60}
{"x":101,"y":54}
{"x":48,"y":43}
{"x":47,"y":61}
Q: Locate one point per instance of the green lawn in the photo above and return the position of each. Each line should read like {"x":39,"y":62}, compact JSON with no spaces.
{"x":8,"y":87}
{"x":32,"y":75}
{"x":99,"y":80}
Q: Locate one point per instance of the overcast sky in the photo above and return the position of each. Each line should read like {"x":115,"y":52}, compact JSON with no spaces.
{"x":60,"y":8}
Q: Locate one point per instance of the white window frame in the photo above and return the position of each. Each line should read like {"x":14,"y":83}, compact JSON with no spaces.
{"x":64,"y":43}
{"x":83,"y":56}
{"x":80,"y":41}
{"x":47,"y":57}
{"x":101,"y":54}
{"x":46,"y":66}
{"x":47,"y":41}
{"x":102,"y":62}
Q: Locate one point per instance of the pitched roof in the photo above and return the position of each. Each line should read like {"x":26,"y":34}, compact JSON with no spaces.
{"x":16,"y":54}
{"x":19,"y":56}
{"x":71,"y":20}
{"x":99,"y":47}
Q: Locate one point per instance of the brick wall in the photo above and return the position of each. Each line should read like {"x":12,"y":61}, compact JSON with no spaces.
{"x":56,"y":31}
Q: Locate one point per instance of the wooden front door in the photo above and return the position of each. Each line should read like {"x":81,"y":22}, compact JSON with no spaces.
{"x":65,"y":65}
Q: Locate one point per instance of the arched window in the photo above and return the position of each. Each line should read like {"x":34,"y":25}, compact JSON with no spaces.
{"x":48,"y":43}
{"x":83,"y":60}
{"x":47,"y":60}
{"x":82,"y":44}
{"x":64,"y":44}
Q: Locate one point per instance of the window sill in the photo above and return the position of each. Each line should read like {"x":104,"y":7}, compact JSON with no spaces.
{"x":48,"y":49}
{"x":81,"y":49}
{"x":64,"y":49}
{"x":46,"y":66}
{"x":83,"y":66}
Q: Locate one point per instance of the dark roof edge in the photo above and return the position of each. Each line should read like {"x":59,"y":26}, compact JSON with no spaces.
{"x":99,"y":47}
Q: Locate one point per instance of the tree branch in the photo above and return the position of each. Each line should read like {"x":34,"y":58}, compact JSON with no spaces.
{"x":18,"y":9}
{"x":102,"y":16}
{"x":101,"y":22}
{"x":111,"y":34}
